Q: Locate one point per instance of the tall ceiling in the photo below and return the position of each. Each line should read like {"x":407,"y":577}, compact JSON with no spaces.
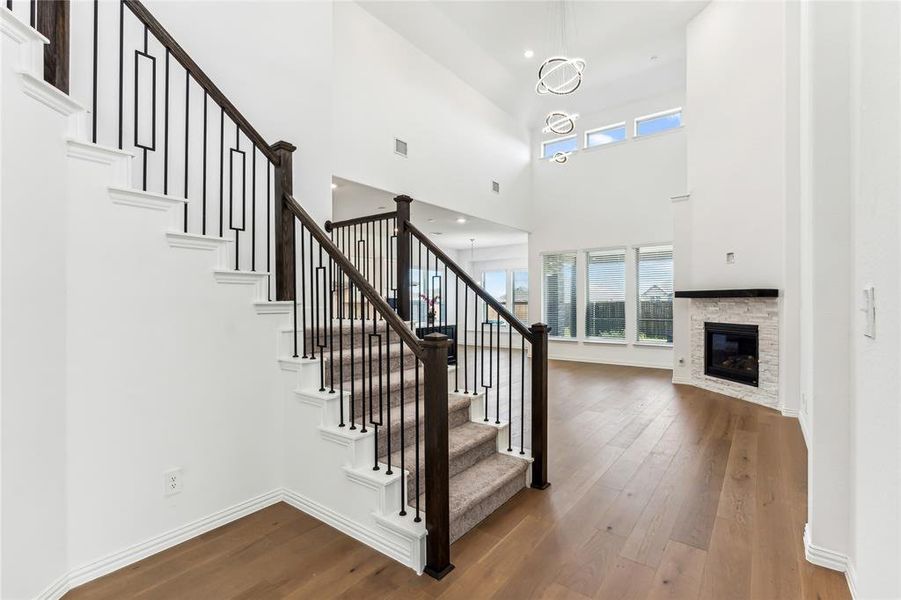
{"x":483,"y":42}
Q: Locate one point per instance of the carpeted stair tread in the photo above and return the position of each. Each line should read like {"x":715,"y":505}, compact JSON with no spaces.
{"x":468,"y":443}
{"x":479,"y":490}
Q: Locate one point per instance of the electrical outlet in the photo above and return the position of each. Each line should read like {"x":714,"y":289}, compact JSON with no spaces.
{"x":173,"y":481}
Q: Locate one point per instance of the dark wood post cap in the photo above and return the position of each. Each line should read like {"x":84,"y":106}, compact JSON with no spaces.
{"x":282,"y":145}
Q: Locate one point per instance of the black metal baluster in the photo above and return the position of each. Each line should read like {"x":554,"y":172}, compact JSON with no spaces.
{"x":417,"y":519}
{"x":253,"y":209}
{"x":465,"y":338}
{"x":166,"y":132}
{"x":456,"y":333}
{"x":203,"y":171}
{"x":320,"y":314}
{"x":497,"y":401}
{"x":121,"y":66}
{"x":403,"y":483}
{"x":187,"y":125}
{"x":331,"y":329}
{"x":522,"y":399}
{"x":353,"y":397}
{"x":94,"y":83}
{"x":363,"y":404}
{"x":509,"y":386}
{"x":268,"y":217}
{"x":294,"y":300}
{"x":231,"y":199}
{"x":303,"y":293}
{"x":314,"y":334}
{"x":34,"y":12}
{"x":388,"y":387}
{"x":340,"y":275}
{"x":221,"y":171}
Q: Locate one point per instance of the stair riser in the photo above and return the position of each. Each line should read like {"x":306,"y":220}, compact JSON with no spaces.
{"x":454,"y":418}
{"x":395,"y":396}
{"x":456,"y":464}
{"x":286,"y":340}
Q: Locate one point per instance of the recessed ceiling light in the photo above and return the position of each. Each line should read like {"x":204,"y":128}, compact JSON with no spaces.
{"x":529,"y":53}
{"x":654,"y":57}
{"x":431,"y":220}
{"x":461,"y":220}
{"x":334,"y":186}
{"x":381,"y":207}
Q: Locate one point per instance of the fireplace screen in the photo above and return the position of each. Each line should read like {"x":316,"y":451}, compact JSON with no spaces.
{"x":730,"y":352}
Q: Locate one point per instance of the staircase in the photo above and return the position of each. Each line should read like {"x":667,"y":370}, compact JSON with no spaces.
{"x":384,"y":440}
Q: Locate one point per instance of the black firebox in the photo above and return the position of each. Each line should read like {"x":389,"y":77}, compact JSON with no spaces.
{"x":731,"y":352}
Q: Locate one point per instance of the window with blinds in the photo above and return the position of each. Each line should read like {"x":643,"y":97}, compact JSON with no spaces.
{"x":521,"y":296}
{"x":559,"y":293}
{"x":605,"y":307}
{"x":655,"y":294}
{"x":495,"y":283}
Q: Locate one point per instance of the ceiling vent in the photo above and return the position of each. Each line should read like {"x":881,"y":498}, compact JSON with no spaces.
{"x":400,"y":147}
{"x":495,"y":187}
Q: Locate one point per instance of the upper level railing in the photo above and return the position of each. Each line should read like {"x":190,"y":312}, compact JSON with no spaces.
{"x":488,"y":344}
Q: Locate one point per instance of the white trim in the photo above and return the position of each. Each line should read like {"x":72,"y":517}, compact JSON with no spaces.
{"x":789,"y":412}
{"x":805,"y":431}
{"x":139,"y":199}
{"x":653,"y":344}
{"x":239,"y":277}
{"x":31,"y":42}
{"x":823,"y":557}
{"x":681,"y":380}
{"x":603,"y":341}
{"x":131,"y":554}
{"x":48,"y":95}
{"x":195,"y":241}
{"x":851,"y":579}
{"x":274,"y":307}
{"x":105,"y":155}
{"x":402,"y":553}
{"x":681,"y":197}
{"x":604,"y":361}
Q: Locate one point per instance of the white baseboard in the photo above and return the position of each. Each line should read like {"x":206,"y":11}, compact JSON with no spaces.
{"x":789,"y":412}
{"x":805,"y":428}
{"x":401,"y":552}
{"x":618,"y":363}
{"x":823,"y":557}
{"x":682,"y":380}
{"x":141,"y":550}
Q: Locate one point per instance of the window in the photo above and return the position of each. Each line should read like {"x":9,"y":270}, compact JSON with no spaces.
{"x":658,"y":122}
{"x":495,"y":283}
{"x":605,"y":135}
{"x":521,"y":295}
{"x":655,"y":294}
{"x":605,"y":310}
{"x":559,"y":293}
{"x":551,"y":147}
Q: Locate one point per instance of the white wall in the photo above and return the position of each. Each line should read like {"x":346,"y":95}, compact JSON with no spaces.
{"x":33,"y":295}
{"x":739,"y":140}
{"x":876,"y":390}
{"x":609,"y":196}
{"x":384,"y":87}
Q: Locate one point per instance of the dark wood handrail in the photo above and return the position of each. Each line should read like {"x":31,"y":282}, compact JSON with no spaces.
{"x":470,"y":282}
{"x":165,"y":38}
{"x":381,"y":306}
{"x":330,"y":225}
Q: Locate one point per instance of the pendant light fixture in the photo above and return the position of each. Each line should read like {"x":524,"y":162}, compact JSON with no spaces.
{"x":560,"y":122}
{"x":560,"y":75}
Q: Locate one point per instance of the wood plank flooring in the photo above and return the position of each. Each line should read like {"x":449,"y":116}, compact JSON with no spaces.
{"x":658,"y":491}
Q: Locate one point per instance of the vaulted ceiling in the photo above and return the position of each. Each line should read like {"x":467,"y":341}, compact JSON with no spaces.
{"x":631,"y":47}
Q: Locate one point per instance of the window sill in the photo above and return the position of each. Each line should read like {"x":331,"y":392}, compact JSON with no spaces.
{"x":603,"y":341}
{"x":562,"y":339}
{"x":654,"y":344}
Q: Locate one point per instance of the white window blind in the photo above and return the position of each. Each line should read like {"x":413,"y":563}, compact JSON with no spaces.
{"x":605,"y":309}
{"x":655,"y":294}
{"x":559,"y":293}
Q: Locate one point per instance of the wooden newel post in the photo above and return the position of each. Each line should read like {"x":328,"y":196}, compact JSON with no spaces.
{"x":403,"y":257}
{"x":283,"y":222}
{"x":539,"y":405}
{"x":52,"y":20}
{"x":437,"y":485}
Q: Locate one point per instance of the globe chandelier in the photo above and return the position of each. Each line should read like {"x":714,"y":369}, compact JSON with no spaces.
{"x":560,"y":75}
{"x":560,"y":122}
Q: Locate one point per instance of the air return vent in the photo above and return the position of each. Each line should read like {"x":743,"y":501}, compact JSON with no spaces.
{"x":495,"y":187}
{"x":400,"y":147}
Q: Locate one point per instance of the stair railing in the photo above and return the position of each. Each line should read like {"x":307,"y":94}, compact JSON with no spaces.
{"x":148,"y":96}
{"x":434,"y":294}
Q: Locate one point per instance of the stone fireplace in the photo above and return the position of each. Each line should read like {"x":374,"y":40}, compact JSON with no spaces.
{"x":735,"y":343}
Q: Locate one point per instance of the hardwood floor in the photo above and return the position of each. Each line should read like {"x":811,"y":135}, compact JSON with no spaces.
{"x":658,"y":491}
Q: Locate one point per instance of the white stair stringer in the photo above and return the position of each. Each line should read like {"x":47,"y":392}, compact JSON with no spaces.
{"x":329,"y":474}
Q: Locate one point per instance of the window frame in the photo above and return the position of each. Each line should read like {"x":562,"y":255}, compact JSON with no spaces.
{"x":637,"y":286}
{"x":575,"y":337}
{"x":513,"y":301}
{"x":605,"y":128}
{"x":557,"y":141}
{"x":601,"y":339}
{"x":656,"y":115}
